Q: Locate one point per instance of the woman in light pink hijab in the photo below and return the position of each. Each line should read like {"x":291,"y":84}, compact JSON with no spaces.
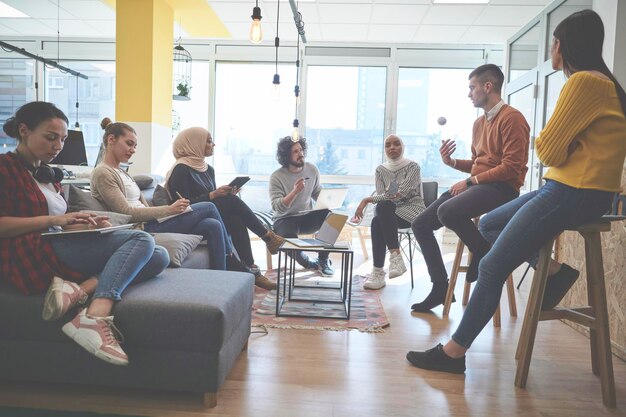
{"x":192,"y":178}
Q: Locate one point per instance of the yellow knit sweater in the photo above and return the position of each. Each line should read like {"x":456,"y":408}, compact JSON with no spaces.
{"x":584,"y":142}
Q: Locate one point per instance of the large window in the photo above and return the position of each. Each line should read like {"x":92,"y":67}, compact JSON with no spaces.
{"x":17,"y":87}
{"x":424,"y":96}
{"x":249,"y":119}
{"x":96,"y":98}
{"x":194,"y":112}
{"x":345,"y":118}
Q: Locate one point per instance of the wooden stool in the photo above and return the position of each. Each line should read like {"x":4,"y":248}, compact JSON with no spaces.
{"x":457,"y":267}
{"x":595,"y":316}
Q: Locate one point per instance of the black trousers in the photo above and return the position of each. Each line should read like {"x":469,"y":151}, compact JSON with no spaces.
{"x":384,"y":229}
{"x":456,"y":213}
{"x":308,"y":223}
{"x":238,"y":218}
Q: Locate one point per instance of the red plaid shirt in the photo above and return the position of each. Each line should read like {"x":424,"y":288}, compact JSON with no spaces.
{"x":27,"y":261}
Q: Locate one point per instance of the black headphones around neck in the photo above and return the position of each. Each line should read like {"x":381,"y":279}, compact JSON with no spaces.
{"x":44,"y":173}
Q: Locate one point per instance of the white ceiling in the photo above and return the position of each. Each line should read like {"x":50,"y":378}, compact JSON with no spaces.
{"x":379,"y":21}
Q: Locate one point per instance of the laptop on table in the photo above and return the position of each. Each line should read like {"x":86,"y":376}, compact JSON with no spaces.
{"x":326,"y":236}
{"x":329,"y":198}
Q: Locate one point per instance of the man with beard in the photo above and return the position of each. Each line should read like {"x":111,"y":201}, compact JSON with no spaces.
{"x":292,"y":189}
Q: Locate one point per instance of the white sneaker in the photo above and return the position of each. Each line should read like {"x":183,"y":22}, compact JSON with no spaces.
{"x":61,"y":297}
{"x":98,"y":336}
{"x":376,"y":279}
{"x":396,"y":265}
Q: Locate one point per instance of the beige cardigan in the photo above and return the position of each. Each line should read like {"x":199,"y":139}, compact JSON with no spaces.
{"x":108,"y":188}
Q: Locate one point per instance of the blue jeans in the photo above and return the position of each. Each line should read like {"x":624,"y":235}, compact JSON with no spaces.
{"x":204,"y":220}
{"x":117,"y":258}
{"x":519,"y":229}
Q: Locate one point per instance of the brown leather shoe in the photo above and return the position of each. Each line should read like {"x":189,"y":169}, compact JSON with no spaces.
{"x":273,"y":242}
{"x":262,"y":281}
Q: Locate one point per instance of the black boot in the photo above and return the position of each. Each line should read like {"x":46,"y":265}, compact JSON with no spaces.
{"x":472,"y":270}
{"x":436,"y":297}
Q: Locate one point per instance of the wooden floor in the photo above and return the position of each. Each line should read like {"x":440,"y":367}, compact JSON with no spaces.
{"x":331,"y":374}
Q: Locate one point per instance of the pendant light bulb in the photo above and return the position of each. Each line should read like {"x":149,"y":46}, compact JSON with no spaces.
{"x":256,"y":32}
{"x":276,"y":87}
{"x":295,"y":135}
{"x":296,"y":91}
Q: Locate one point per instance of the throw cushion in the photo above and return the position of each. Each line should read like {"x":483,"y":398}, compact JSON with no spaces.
{"x":79,"y":200}
{"x":178,"y":245}
{"x":161,"y":196}
{"x":115,"y":219}
{"x":144,"y":181}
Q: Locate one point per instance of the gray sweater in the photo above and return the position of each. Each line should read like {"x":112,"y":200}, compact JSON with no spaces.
{"x":281,"y":184}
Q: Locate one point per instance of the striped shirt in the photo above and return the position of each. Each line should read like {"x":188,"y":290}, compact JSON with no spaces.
{"x":411,"y":202}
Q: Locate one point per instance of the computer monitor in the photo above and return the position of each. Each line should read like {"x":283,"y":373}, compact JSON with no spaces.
{"x":73,"y":152}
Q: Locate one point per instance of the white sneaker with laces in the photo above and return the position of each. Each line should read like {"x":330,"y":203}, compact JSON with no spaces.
{"x":396,"y":265}
{"x":376,"y":279}
{"x":98,"y":335}
{"x":61,"y":297}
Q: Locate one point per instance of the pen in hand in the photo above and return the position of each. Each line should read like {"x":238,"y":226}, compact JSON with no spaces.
{"x":179,"y":196}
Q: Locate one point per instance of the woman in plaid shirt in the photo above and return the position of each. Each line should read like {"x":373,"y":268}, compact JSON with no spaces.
{"x":31,"y":202}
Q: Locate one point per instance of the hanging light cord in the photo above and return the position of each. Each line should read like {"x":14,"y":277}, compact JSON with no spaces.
{"x":277,"y":40}
{"x":297,"y":89}
{"x":77,"y":124}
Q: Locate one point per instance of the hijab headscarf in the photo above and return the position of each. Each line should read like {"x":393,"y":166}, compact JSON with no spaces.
{"x":398,"y":163}
{"x":188,"y":149}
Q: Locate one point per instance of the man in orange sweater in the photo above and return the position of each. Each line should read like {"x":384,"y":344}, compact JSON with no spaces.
{"x":500,"y":140}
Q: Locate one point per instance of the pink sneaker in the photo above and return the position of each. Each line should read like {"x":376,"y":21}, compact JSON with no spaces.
{"x":98,"y":335}
{"x":62,"y":296}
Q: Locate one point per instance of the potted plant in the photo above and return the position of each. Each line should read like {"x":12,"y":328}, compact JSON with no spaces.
{"x":183,"y":91}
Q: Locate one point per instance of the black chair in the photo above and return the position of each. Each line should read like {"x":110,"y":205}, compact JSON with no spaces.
{"x":407,"y":241}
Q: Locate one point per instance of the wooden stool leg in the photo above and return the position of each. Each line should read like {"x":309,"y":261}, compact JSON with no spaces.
{"x":453,"y":276}
{"x":268,"y":258}
{"x":362,"y":240}
{"x":604,"y":360}
{"x":510,"y":291}
{"x":496,"y":318}
{"x":466,"y":291}
{"x":531,"y":319}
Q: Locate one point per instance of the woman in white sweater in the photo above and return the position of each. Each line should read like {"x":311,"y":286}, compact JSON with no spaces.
{"x":398,"y":200}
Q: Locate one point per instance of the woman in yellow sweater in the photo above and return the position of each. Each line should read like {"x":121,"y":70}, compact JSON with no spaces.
{"x":584,"y":144}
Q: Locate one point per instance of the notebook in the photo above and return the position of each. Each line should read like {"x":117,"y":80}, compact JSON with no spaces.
{"x":93,"y":231}
{"x":329,"y":198}
{"x":327,"y":235}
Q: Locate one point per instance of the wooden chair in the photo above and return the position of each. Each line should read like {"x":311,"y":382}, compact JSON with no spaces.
{"x":594,"y":316}
{"x":457,"y":268}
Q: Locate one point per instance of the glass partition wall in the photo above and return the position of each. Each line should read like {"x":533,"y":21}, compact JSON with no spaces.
{"x":17,"y":87}
{"x":533,"y":87}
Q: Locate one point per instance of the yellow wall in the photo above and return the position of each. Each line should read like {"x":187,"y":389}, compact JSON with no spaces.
{"x":144,"y":42}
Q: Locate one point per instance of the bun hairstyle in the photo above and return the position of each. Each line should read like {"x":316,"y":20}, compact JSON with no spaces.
{"x":116,"y":129}
{"x":32,"y":115}
{"x":105,"y":122}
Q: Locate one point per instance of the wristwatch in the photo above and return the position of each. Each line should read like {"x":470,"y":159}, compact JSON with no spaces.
{"x":469,"y":182}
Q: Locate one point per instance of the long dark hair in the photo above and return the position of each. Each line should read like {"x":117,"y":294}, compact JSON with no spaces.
{"x":32,"y":115}
{"x":581,"y":35}
{"x":283,"y":152}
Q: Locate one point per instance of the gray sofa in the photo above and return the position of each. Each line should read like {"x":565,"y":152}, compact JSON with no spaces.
{"x":183,"y":332}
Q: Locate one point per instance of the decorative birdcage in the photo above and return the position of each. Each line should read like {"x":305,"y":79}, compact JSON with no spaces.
{"x":181,"y":76}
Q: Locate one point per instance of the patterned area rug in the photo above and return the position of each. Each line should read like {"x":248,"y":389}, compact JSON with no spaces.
{"x":366,"y":310}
